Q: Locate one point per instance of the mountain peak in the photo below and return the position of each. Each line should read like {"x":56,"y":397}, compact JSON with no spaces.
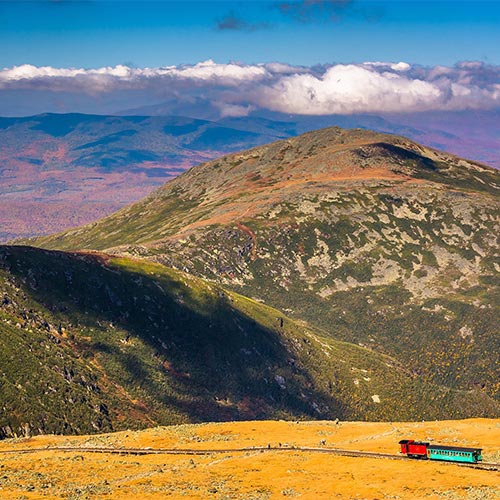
{"x":248,"y":184}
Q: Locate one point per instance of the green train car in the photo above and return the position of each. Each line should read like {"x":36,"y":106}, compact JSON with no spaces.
{"x":454,"y":453}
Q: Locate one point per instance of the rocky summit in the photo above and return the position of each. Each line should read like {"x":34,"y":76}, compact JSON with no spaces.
{"x":368,"y":241}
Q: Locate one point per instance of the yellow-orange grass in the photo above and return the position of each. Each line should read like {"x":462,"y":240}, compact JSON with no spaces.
{"x":255,"y":475}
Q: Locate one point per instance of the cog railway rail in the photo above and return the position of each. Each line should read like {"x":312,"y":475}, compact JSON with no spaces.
{"x":259,"y":449}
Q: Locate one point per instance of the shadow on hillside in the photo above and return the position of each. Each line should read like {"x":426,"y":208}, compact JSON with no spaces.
{"x":180,"y":348}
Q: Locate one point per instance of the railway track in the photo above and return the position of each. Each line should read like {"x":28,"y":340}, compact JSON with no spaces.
{"x":258,"y":449}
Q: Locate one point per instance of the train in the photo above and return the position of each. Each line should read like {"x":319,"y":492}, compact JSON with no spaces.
{"x":427,"y":451}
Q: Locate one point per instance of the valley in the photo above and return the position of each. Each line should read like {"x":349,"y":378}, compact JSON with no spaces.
{"x":93,"y":343}
{"x":60,"y":171}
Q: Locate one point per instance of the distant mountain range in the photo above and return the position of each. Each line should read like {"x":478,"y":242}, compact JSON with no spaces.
{"x":473,"y":134}
{"x":59,"y":171}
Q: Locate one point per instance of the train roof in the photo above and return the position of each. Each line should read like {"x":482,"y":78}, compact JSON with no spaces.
{"x":453,"y":448}
{"x":412,"y":441}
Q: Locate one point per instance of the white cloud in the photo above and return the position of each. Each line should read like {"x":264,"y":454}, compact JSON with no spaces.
{"x":233,"y":110}
{"x":349,"y":89}
{"x":221,"y":73}
{"x":29,"y":72}
{"x":118,"y":77}
{"x":237,"y":88}
{"x":400,"y":66}
{"x":280,"y":68}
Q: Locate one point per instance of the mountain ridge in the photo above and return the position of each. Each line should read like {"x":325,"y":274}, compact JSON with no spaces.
{"x":373,"y":238}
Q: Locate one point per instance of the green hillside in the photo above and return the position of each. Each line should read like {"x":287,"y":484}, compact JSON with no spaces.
{"x":91,"y":343}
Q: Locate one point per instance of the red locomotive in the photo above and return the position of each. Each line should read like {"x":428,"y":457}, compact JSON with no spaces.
{"x":414,"y":449}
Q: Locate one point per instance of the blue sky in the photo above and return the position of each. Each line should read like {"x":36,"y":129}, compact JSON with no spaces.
{"x":219,"y":58}
{"x":97,"y":33}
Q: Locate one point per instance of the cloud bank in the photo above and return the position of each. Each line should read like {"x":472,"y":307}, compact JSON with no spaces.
{"x":237,"y":89}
